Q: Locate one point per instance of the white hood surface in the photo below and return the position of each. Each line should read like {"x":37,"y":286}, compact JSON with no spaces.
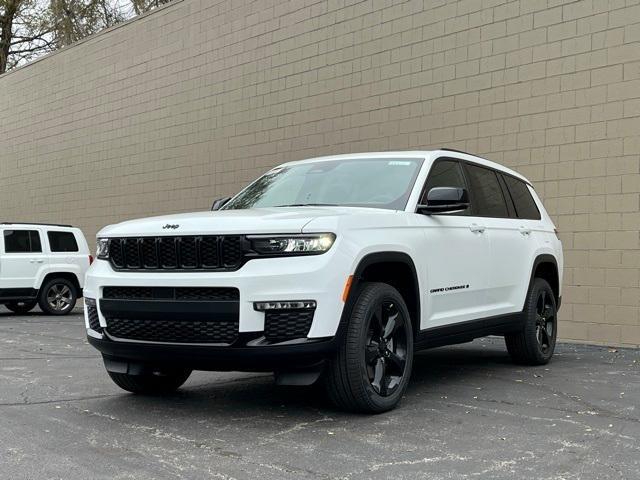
{"x":221,"y":222}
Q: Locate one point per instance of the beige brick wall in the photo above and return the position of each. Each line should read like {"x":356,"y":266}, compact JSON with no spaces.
{"x":191,"y":102}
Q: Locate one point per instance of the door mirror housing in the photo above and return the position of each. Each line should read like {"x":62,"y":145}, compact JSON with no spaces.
{"x":444,"y":200}
{"x":219,"y":203}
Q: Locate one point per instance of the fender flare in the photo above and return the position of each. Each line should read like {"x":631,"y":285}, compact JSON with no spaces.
{"x":372,"y":259}
{"x":545,"y":258}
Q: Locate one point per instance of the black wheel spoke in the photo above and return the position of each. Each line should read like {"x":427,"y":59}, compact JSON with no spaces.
{"x":396,"y":363}
{"x":380,"y":319}
{"x":372,"y":353}
{"x":544,"y":336}
{"x":378,"y":376}
{"x":390,"y":326}
{"x":384,"y":384}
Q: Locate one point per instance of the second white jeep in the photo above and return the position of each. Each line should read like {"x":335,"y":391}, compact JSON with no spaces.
{"x":336,"y":268}
{"x":42,"y":264}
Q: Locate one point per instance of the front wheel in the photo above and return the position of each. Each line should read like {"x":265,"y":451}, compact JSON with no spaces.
{"x":21,"y":307}
{"x":151,"y":383}
{"x":371,"y":369}
{"x":535,"y":343}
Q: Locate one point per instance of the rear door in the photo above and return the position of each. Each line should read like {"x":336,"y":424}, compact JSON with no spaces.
{"x":509,"y":241}
{"x":455,"y":255}
{"x":527,"y":232}
{"x":22,"y":257}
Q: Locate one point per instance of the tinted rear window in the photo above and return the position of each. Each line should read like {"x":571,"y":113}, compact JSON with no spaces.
{"x":62,"y":242}
{"x":486,"y":193}
{"x":522,"y":199}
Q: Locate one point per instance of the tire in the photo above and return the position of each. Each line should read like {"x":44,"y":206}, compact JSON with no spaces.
{"x":21,"y":307}
{"x":57,"y":296}
{"x":372,"y":366}
{"x":535,"y":343}
{"x":151,"y":383}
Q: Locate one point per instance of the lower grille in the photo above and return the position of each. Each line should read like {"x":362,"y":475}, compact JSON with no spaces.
{"x":282,"y":325}
{"x":170,"y":331}
{"x":171,"y":293}
{"x":94,"y":321}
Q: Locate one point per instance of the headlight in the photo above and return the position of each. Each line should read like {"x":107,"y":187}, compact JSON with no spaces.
{"x":102,"y":248}
{"x":292,"y":244}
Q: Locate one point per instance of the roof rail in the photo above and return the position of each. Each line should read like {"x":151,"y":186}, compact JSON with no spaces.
{"x":34,"y":223}
{"x":458,"y":151}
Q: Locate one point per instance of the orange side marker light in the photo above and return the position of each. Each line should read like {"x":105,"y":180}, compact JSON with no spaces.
{"x":347,"y":287}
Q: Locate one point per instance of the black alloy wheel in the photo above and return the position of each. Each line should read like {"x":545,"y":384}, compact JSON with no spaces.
{"x":386,"y":351}
{"x":370,"y":370}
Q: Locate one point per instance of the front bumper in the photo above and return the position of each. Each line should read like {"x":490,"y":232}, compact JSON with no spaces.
{"x":320,"y":278}
{"x":134,"y":357}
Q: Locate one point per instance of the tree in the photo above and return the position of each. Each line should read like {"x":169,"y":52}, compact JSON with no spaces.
{"x":72,"y":20}
{"x":25,"y":32}
{"x":142,"y":6}
{"x":30,"y":28}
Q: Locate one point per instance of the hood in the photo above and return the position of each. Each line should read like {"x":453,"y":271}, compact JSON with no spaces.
{"x":251,"y":221}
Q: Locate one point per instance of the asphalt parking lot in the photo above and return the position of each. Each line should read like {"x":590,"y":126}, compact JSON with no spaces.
{"x":469,"y":413}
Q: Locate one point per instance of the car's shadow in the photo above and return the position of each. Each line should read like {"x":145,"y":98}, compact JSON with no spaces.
{"x":434,"y":371}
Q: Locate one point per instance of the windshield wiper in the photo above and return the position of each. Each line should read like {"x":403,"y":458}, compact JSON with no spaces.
{"x":309,"y":205}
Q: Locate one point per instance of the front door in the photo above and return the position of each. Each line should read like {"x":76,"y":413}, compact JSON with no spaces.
{"x":455,"y":255}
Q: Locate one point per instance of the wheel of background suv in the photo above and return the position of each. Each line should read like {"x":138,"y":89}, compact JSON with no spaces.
{"x":534,"y":345}
{"x":371,"y":369}
{"x":21,"y":307}
{"x":57,"y":296}
{"x":151,"y":383}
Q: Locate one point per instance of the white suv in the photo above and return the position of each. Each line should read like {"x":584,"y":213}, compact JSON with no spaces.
{"x":336,"y":268}
{"x":42,"y":264}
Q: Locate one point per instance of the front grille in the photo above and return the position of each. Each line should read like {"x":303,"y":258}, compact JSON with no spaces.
{"x":170,"y":331}
{"x":94,"y":321}
{"x":282,"y":325}
{"x":211,"y":252}
{"x":171,"y":293}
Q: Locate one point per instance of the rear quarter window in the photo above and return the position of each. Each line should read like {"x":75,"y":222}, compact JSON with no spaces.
{"x":486,"y":194}
{"x":523,"y":201}
{"x":62,"y":242}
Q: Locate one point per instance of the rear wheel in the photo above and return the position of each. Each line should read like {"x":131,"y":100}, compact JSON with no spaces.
{"x":21,"y":307}
{"x":371,"y":369}
{"x":57,"y":296}
{"x":151,"y":383}
{"x":534,"y":345}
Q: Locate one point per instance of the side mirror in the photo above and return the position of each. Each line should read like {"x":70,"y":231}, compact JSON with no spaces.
{"x":445,"y":199}
{"x":219,"y":203}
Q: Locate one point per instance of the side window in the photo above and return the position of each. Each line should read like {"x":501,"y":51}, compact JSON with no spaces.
{"x":22,"y":241}
{"x":443,"y":173}
{"x":522,"y":199}
{"x":62,"y":242}
{"x":486,"y":193}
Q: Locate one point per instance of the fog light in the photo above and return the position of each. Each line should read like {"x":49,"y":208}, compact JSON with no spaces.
{"x":285,"y":305}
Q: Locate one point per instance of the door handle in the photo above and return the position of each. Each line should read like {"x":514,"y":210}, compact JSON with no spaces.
{"x":36,"y":261}
{"x":524,"y":230}
{"x":475,"y":228}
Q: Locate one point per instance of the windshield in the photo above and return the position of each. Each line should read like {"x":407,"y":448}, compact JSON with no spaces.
{"x":369,"y":182}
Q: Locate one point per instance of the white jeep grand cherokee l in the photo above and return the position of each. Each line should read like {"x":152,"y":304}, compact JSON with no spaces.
{"x":42,"y":264}
{"x":336,"y":268}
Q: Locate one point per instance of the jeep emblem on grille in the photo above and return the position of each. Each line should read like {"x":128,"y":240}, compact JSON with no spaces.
{"x":172,"y":226}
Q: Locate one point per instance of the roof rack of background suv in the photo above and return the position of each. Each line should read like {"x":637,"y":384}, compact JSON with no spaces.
{"x":457,"y":151}
{"x":33,"y":223}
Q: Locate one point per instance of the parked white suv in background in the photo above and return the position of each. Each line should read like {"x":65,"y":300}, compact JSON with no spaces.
{"x":42,"y":264}
{"x":337,"y":268}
